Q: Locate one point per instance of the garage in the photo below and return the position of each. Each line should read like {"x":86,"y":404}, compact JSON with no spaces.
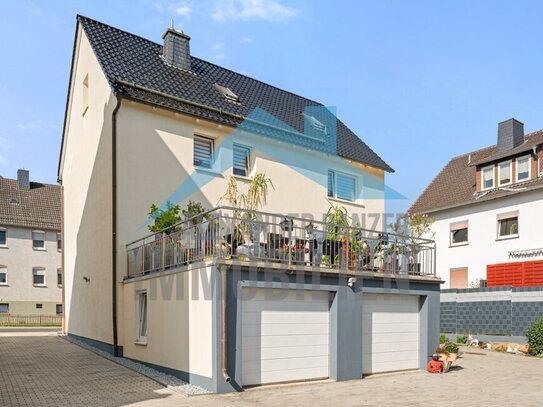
{"x":390,"y":333}
{"x":283,"y":337}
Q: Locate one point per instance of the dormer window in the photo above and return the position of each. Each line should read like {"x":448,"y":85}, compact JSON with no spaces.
{"x":227,"y":93}
{"x":523,"y":168}
{"x":487,"y":175}
{"x":504,"y":171}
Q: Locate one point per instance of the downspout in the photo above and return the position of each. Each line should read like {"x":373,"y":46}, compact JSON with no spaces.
{"x":62,"y":256}
{"x":114,"y":222}
{"x":224,"y":359}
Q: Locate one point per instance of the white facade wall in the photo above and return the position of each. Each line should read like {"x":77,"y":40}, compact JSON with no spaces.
{"x":19,"y":257}
{"x":483,"y":246}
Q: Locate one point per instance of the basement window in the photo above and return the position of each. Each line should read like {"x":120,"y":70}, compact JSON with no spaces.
{"x":227,"y":93}
{"x":4,"y":308}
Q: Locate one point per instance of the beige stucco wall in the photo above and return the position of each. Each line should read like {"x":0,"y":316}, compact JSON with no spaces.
{"x":179,"y":321}
{"x":86,"y":178}
{"x":155,"y":155}
{"x":20,"y":257}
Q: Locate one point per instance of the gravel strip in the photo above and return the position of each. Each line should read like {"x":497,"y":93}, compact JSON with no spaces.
{"x":167,"y":380}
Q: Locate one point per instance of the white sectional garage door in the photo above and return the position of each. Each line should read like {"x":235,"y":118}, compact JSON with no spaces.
{"x":284,"y":339}
{"x":390,"y":333}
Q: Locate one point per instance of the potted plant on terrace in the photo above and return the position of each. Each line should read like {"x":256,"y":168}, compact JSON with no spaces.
{"x":447,"y":352}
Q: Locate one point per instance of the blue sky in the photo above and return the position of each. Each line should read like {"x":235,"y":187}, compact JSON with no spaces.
{"x":419,"y":81}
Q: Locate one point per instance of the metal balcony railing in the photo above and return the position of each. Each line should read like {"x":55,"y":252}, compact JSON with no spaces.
{"x":231,"y":233}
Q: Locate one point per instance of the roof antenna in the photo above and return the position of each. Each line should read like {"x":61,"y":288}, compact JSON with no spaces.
{"x":469,"y":159}
{"x":171,"y":23}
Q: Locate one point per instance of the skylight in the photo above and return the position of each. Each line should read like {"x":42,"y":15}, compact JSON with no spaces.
{"x":227,"y":93}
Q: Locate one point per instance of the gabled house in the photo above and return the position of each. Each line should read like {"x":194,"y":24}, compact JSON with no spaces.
{"x":30,"y":250}
{"x":487,"y":206}
{"x":149,"y":123}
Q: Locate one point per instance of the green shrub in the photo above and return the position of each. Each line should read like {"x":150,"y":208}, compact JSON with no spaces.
{"x":463,"y":339}
{"x":447,"y":347}
{"x":535,"y":337}
{"x":443,"y":339}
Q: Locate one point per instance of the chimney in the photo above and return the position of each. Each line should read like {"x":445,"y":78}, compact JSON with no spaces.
{"x":23,"y":179}
{"x":510,"y":135}
{"x":177,"y":49}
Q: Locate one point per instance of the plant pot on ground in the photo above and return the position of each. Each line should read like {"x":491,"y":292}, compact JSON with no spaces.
{"x":448,"y":352}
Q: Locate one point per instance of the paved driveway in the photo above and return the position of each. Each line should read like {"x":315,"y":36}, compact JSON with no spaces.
{"x":50,"y":371}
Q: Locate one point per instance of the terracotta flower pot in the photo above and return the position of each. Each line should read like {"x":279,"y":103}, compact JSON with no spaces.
{"x":448,"y":357}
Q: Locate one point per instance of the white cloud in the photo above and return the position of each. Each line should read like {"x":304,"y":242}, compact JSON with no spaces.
{"x":246,"y":10}
{"x":217,"y":46}
{"x":182,"y":11}
{"x":246,"y":39}
{"x":219,"y":56}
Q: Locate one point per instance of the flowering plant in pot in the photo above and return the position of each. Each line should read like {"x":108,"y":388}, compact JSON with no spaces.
{"x":296,"y":251}
{"x":447,"y":351}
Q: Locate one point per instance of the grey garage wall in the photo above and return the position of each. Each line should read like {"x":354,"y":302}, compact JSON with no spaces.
{"x":491,"y":310}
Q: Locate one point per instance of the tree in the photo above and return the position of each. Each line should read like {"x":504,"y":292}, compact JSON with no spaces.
{"x":164,"y":219}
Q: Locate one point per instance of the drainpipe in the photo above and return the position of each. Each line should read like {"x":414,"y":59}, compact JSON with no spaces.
{"x":114,"y":222}
{"x":62,"y":256}
{"x":224,"y":359}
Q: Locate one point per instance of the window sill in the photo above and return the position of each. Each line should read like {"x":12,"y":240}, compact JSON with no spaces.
{"x":4,"y":285}
{"x":59,"y":285}
{"x":344,"y":201}
{"x":39,"y":249}
{"x":208,"y":171}
{"x":242,"y":178}
{"x":40,"y":285}
{"x":4,"y":246}
{"x":508,"y":237}
{"x":458,"y":245}
{"x":141,"y":342}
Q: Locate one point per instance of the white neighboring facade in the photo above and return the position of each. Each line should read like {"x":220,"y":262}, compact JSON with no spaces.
{"x":484,"y":246}
{"x":488,"y":208}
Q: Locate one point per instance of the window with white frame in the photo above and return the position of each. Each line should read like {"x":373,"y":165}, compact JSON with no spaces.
{"x":523,"y":168}
{"x":4,"y":308}
{"x":3,"y":237}
{"x":59,"y":277}
{"x":508,"y":225}
{"x":142,"y":316}
{"x":341,"y":186}
{"x":3,"y":275}
{"x":59,"y":242}
{"x":38,"y":276}
{"x":504,"y":173}
{"x":38,"y":240}
{"x":487,"y":175}
{"x":241,"y":160}
{"x":203,"y":152}
{"x":459,"y":233}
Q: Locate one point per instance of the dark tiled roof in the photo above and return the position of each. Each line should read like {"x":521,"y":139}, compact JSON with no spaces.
{"x":37,"y":207}
{"x":456,"y":183}
{"x":130,"y":58}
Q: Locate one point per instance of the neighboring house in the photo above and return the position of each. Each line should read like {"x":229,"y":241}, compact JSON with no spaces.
{"x":487,"y":206}
{"x":30,"y":247}
{"x":147,"y":123}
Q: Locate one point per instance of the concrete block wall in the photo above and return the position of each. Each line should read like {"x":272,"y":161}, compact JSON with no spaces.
{"x":491,"y":310}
